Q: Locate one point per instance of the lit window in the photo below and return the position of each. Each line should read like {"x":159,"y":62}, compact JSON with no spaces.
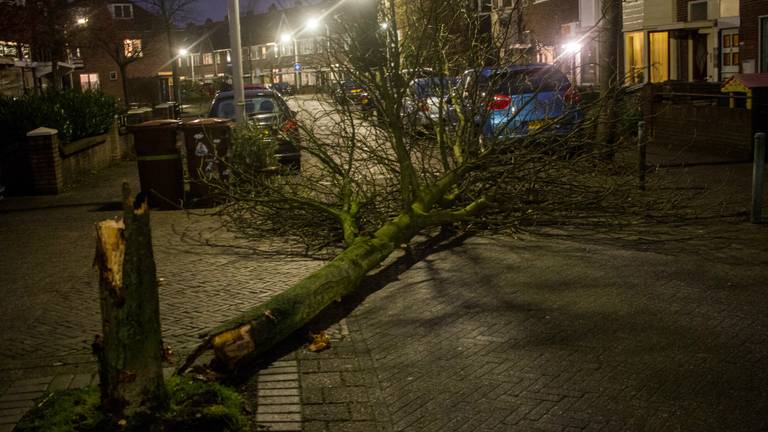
{"x":659,"y":56}
{"x":207,"y":58}
{"x":121,"y":10}
{"x":633,"y":57}
{"x":89,"y":81}
{"x":132,"y":48}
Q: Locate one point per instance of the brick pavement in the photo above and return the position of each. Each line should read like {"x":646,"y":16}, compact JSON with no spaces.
{"x":50,"y":312}
{"x":650,"y":330}
{"x":659,"y":328}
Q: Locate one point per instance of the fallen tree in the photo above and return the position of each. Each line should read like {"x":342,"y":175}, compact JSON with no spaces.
{"x":382,"y":175}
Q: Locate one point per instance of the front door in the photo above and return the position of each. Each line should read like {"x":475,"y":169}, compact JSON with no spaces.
{"x":730,"y":59}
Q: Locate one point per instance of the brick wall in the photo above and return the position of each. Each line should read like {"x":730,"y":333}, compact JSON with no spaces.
{"x":721,"y":132}
{"x":42,"y":151}
{"x":97,"y":61}
{"x":750,"y":10}
{"x":47,"y":171}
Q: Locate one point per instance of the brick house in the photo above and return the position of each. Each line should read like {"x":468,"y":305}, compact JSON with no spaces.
{"x":754,"y":35}
{"x":125,"y":33}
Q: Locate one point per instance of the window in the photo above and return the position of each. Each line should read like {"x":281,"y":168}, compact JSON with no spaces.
{"x":763,"y":44}
{"x":132,"y":48}
{"x":286,"y":49}
{"x":89,"y":81}
{"x":113,"y":75}
{"x":121,"y":10}
{"x":223,"y":57}
{"x":633,"y":58}
{"x":207,"y":58}
{"x":195,"y":59}
{"x":659,"y":42}
{"x":306,"y":46}
{"x":697,"y":11}
{"x":255,"y":52}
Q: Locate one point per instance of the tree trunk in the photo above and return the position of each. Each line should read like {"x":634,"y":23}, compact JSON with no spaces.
{"x":610,"y":36}
{"x":130,"y":351}
{"x":262,"y":327}
{"x":124,"y":79}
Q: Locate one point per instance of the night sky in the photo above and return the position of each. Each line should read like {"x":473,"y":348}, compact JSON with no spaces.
{"x":217,"y":9}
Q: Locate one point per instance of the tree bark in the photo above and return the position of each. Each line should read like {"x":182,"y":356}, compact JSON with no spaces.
{"x":610,"y":36}
{"x":124,"y":79}
{"x":262,"y":327}
{"x":130,"y":352}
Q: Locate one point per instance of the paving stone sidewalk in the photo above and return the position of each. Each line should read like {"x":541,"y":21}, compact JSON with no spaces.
{"x":646,"y":330}
{"x":49,"y":312}
{"x":659,"y":328}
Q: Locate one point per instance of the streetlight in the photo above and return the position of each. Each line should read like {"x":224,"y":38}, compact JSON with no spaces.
{"x":287,"y":38}
{"x":313,"y":23}
{"x":572,"y":48}
{"x":183,"y":52}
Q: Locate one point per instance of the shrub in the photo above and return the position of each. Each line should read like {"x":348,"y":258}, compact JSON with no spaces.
{"x":74,"y":114}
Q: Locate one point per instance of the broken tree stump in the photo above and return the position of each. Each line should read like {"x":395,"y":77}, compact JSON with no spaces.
{"x":130,"y":350}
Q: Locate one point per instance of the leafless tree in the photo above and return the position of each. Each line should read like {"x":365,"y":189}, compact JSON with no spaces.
{"x":379,"y":173}
{"x":171,"y":13}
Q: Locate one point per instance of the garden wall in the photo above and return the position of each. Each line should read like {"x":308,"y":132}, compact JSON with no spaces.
{"x":47,"y":167}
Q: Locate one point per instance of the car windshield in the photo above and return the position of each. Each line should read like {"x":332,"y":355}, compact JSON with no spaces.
{"x":429,"y":87}
{"x":529,"y":81}
{"x":256,"y":105}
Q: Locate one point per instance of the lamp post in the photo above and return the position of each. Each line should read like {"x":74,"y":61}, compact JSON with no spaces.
{"x":287,"y":38}
{"x":237,"y":59}
{"x":573,"y":48}
{"x":312,"y":25}
{"x":185,"y":53}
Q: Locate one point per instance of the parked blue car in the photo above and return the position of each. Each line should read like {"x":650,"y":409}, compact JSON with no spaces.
{"x":526,"y":99}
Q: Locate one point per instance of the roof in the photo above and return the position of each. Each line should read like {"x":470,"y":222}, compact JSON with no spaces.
{"x":741,"y":83}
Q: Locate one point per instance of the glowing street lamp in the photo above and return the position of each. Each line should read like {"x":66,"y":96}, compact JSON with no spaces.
{"x":287,"y":38}
{"x":313,"y":23}
{"x":183,"y":52}
{"x":82,"y":21}
{"x":572,"y":47}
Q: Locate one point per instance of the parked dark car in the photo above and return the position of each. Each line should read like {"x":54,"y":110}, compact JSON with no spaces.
{"x":266,"y":108}
{"x":352,"y":93}
{"x":284,"y":88}
{"x":523,"y":99}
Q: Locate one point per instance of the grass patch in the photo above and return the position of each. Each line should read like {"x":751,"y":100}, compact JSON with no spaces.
{"x":195,"y":407}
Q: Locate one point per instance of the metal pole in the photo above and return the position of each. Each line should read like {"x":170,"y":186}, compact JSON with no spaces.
{"x":641,"y":150}
{"x":758,"y":178}
{"x":296,"y":62}
{"x":192,"y":65}
{"x":237,"y":60}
